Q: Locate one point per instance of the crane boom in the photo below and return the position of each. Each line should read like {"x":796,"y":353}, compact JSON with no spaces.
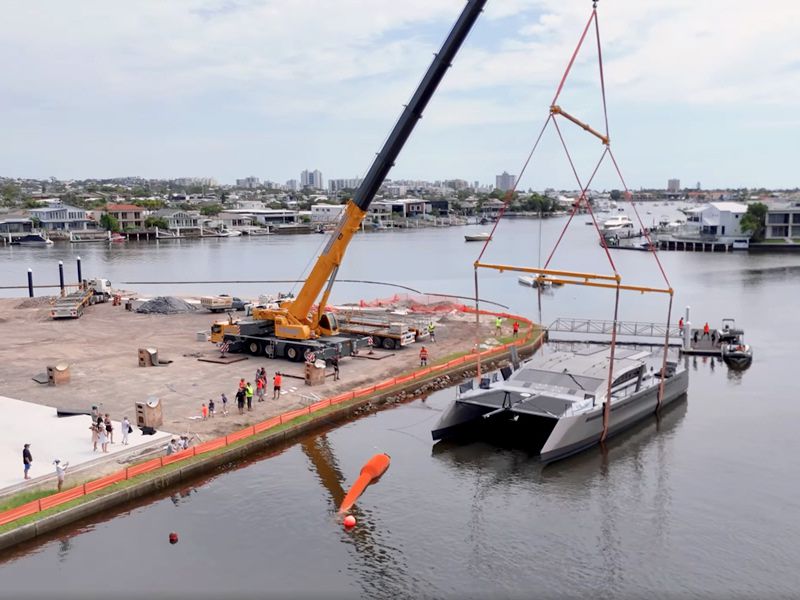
{"x":327,"y":264}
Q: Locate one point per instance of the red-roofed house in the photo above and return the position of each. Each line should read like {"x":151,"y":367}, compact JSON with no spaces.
{"x":129,"y":216}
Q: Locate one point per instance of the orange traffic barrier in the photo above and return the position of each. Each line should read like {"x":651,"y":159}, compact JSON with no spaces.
{"x":370,"y":473}
{"x":342,"y":398}
{"x":320,"y":405}
{"x":61,"y":498}
{"x":30,"y":508}
{"x":293,"y":414}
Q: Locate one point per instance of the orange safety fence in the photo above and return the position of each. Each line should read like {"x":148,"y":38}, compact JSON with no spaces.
{"x":30,"y":508}
{"x":104,"y":482}
{"x":293,"y":414}
{"x":61,"y":498}
{"x":240,"y":435}
{"x":210,"y":445}
{"x":177,"y":456}
{"x":42,"y":504}
{"x":145,"y":467}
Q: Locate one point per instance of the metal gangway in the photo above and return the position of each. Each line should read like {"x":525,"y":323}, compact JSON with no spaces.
{"x":598,"y":327}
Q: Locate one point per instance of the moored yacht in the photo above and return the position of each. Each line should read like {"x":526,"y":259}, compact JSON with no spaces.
{"x":622,"y":223}
{"x":553,"y":403}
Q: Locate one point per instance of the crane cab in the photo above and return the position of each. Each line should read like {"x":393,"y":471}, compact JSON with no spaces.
{"x":328,"y":324}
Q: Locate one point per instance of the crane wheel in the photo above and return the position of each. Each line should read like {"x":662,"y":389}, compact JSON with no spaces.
{"x":293,"y":353}
{"x":254,"y":348}
{"x":388,"y":343}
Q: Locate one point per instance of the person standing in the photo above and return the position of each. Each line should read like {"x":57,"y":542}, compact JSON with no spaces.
{"x":204,"y":411}
{"x":240,"y":400}
{"x":515,"y":328}
{"x":27,"y":459}
{"x":95,"y":428}
{"x":61,"y":471}
{"x":432,"y":332}
{"x":211,"y":408}
{"x":423,"y":357}
{"x":680,"y":325}
{"x":126,"y":429}
{"x":260,"y":387}
{"x":102,"y":438}
{"x":335,"y":363}
{"x":706,"y":330}
{"x":276,"y":386}
{"x":109,"y":428}
{"x":224,"y":400}
{"x":248,"y":392}
{"x":498,"y":325}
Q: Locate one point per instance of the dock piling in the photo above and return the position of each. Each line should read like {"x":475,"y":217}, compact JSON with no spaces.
{"x":687,"y":331}
{"x":30,"y":283}
{"x":80,"y":277}
{"x":61,"y":276}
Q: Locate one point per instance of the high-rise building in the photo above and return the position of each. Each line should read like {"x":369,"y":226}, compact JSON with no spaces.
{"x":674,"y":186}
{"x":291,"y":185}
{"x":248,"y":182}
{"x":334,"y":185}
{"x":311,"y":179}
{"x":505,"y":182}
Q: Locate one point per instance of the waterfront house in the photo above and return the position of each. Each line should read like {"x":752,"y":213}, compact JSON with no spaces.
{"x":129,"y":216}
{"x":326,"y":213}
{"x":266,"y":216}
{"x":179,"y":219}
{"x":721,"y":220}
{"x":783,"y":221}
{"x":11,"y":226}
{"x":62,"y":217}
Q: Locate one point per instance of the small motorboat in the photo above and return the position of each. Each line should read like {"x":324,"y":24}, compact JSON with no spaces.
{"x":737,"y":355}
{"x":33,"y":240}
{"x":478,"y":237}
{"x":117,"y":237}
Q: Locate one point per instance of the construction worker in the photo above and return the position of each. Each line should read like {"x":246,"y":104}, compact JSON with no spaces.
{"x":432,"y":331}
{"x":276,"y":386}
{"x":423,"y":356}
{"x":680,"y":325}
{"x":248,"y":394}
{"x":498,"y":324}
{"x":515,"y":328}
{"x":706,"y":330}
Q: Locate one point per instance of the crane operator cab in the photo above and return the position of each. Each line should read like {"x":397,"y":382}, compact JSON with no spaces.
{"x":328,"y":324}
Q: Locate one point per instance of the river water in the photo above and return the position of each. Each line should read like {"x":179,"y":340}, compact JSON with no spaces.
{"x":698,"y":503}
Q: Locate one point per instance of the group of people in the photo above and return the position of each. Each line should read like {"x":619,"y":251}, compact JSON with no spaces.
{"x":103,"y":432}
{"x":498,"y":326}
{"x":176,"y":445}
{"x":245,"y":394}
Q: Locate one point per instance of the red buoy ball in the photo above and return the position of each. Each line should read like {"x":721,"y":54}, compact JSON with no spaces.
{"x":349,"y":521}
{"x":173,"y":538}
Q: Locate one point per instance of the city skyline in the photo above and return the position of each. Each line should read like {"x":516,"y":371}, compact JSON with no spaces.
{"x":168,"y":90}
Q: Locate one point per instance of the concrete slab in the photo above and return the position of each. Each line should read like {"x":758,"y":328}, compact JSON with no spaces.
{"x":51,"y":437}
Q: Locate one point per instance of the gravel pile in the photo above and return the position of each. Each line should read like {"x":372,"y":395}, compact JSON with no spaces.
{"x":35,"y":302}
{"x":166,"y":305}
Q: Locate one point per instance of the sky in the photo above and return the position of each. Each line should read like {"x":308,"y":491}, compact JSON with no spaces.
{"x":706,"y":92}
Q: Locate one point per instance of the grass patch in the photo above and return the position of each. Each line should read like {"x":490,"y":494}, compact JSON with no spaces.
{"x":22,"y":498}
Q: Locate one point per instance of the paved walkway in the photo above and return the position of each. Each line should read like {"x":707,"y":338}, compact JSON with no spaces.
{"x":51,"y":437}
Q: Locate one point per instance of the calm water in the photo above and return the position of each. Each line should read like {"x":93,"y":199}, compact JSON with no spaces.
{"x":700,"y":503}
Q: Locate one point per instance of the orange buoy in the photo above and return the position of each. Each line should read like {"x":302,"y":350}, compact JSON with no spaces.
{"x":370,"y":472}
{"x":173,"y":538}
{"x":349,"y":521}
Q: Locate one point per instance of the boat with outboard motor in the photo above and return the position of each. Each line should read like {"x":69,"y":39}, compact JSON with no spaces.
{"x":553,"y":402}
{"x":735,"y":353}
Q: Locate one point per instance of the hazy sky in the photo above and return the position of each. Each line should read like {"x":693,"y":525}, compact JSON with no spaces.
{"x":699,"y":90}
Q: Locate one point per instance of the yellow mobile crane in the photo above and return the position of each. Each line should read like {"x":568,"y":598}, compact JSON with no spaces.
{"x":292,"y":330}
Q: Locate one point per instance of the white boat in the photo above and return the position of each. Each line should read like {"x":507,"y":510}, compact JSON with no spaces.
{"x":229,"y":233}
{"x":620,"y":224}
{"x":478,"y":237}
{"x":33,"y":240}
{"x":532,"y":281}
{"x":553,"y":403}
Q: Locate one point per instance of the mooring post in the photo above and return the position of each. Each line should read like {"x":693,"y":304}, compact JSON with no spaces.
{"x":80,"y":277}
{"x":30,"y":283}
{"x":687,"y":331}
{"x":61,"y":276}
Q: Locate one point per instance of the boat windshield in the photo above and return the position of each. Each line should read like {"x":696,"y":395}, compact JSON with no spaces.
{"x":528,"y":377}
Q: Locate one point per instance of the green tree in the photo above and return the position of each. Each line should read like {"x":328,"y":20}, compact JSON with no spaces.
{"x":109,"y":222}
{"x":210,"y":210}
{"x":754,"y":221}
{"x":154,"y":221}
{"x":616,"y":195}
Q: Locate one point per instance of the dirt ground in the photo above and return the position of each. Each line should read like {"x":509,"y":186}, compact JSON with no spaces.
{"x":101,"y":349}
